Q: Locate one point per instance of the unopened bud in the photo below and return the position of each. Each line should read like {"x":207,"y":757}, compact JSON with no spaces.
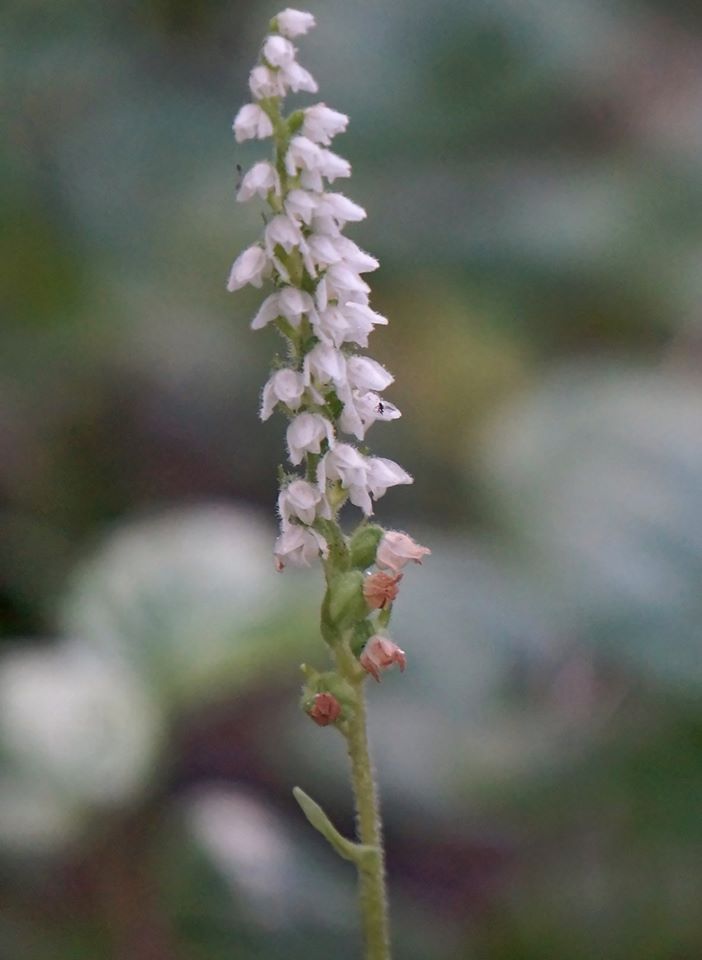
{"x":324,"y":709}
{"x":380,"y":589}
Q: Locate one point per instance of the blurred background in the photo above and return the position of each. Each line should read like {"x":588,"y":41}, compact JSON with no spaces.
{"x":533,"y":176}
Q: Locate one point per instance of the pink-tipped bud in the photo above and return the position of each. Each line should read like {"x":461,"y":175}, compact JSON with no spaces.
{"x":379,"y":654}
{"x":396,"y":549}
{"x":325,"y":709}
{"x":380,"y":589}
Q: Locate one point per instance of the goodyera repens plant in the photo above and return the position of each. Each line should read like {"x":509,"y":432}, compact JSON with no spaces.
{"x":329,"y":391}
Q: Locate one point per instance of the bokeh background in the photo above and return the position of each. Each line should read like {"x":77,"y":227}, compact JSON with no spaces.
{"x":533,"y":176}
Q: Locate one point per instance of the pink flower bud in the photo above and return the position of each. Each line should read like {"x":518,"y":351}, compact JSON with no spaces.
{"x":325,"y":709}
{"x":380,"y":588}
{"x":396,"y":549}
{"x":379,"y":654}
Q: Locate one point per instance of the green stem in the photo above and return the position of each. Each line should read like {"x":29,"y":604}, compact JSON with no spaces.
{"x":371,"y":873}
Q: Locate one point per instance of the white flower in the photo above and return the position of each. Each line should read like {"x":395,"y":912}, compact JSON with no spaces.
{"x":361,"y":320}
{"x":278,"y":52}
{"x":332,"y":327}
{"x":365,"y":373}
{"x":345,"y":464}
{"x":339,"y":283}
{"x":260,"y":179}
{"x":267,"y":312}
{"x":329,"y":165}
{"x":294,"y":23}
{"x":297,"y":78}
{"x":315,"y":162}
{"x":330,"y":216}
{"x":264,"y":83}
{"x":384,"y":473}
{"x":294,"y":303}
{"x":321,"y":123}
{"x":350,"y":323}
{"x":302,"y":204}
{"x":249,"y":267}
{"x":352,"y":254}
{"x":251,"y":121}
{"x":300,"y":546}
{"x":306,"y":434}
{"x":361,"y":410}
{"x":322,"y":250}
{"x":361,"y":476}
{"x":282,"y":231}
{"x":303,"y":501}
{"x":342,"y":278}
{"x":397,"y":549}
{"x":302,"y":154}
{"x":339,"y":209}
{"x":285,"y":386}
{"x":324,"y":364}
{"x":371,"y":407}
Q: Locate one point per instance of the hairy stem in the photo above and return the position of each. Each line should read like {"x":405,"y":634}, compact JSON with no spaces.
{"x":371,"y":872}
{"x":371,"y":875}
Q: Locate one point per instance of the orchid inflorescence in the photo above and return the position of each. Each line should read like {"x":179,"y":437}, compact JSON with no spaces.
{"x":330,"y":392}
{"x":320,"y":304}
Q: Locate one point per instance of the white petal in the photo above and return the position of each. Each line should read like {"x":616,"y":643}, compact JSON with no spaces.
{"x":282,"y":231}
{"x":294,"y":303}
{"x":302,"y":155}
{"x":325,"y":364}
{"x":260,"y":179}
{"x":285,"y":386}
{"x":249,"y":267}
{"x":299,"y":546}
{"x":365,"y":373}
{"x":321,"y":123}
{"x":355,"y":257}
{"x":278,"y":51}
{"x":302,"y":204}
{"x":323,"y":250}
{"x":342,"y":209}
{"x":305,"y":435}
{"x":264,"y":83}
{"x":267,"y":312}
{"x":342,"y":278}
{"x":297,"y":78}
{"x":384,"y":473}
{"x":331,"y":165}
{"x":294,"y":23}
{"x":251,"y":121}
{"x":312,"y":180}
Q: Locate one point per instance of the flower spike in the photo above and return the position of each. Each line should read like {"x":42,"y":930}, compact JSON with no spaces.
{"x":331,"y":393}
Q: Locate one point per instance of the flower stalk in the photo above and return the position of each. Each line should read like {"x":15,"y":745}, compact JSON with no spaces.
{"x":329,"y":391}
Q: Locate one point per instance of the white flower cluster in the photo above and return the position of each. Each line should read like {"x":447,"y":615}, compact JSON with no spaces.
{"x":320,"y":303}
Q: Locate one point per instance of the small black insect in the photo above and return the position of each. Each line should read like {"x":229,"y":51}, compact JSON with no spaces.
{"x":380,"y":408}
{"x":240,"y":174}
